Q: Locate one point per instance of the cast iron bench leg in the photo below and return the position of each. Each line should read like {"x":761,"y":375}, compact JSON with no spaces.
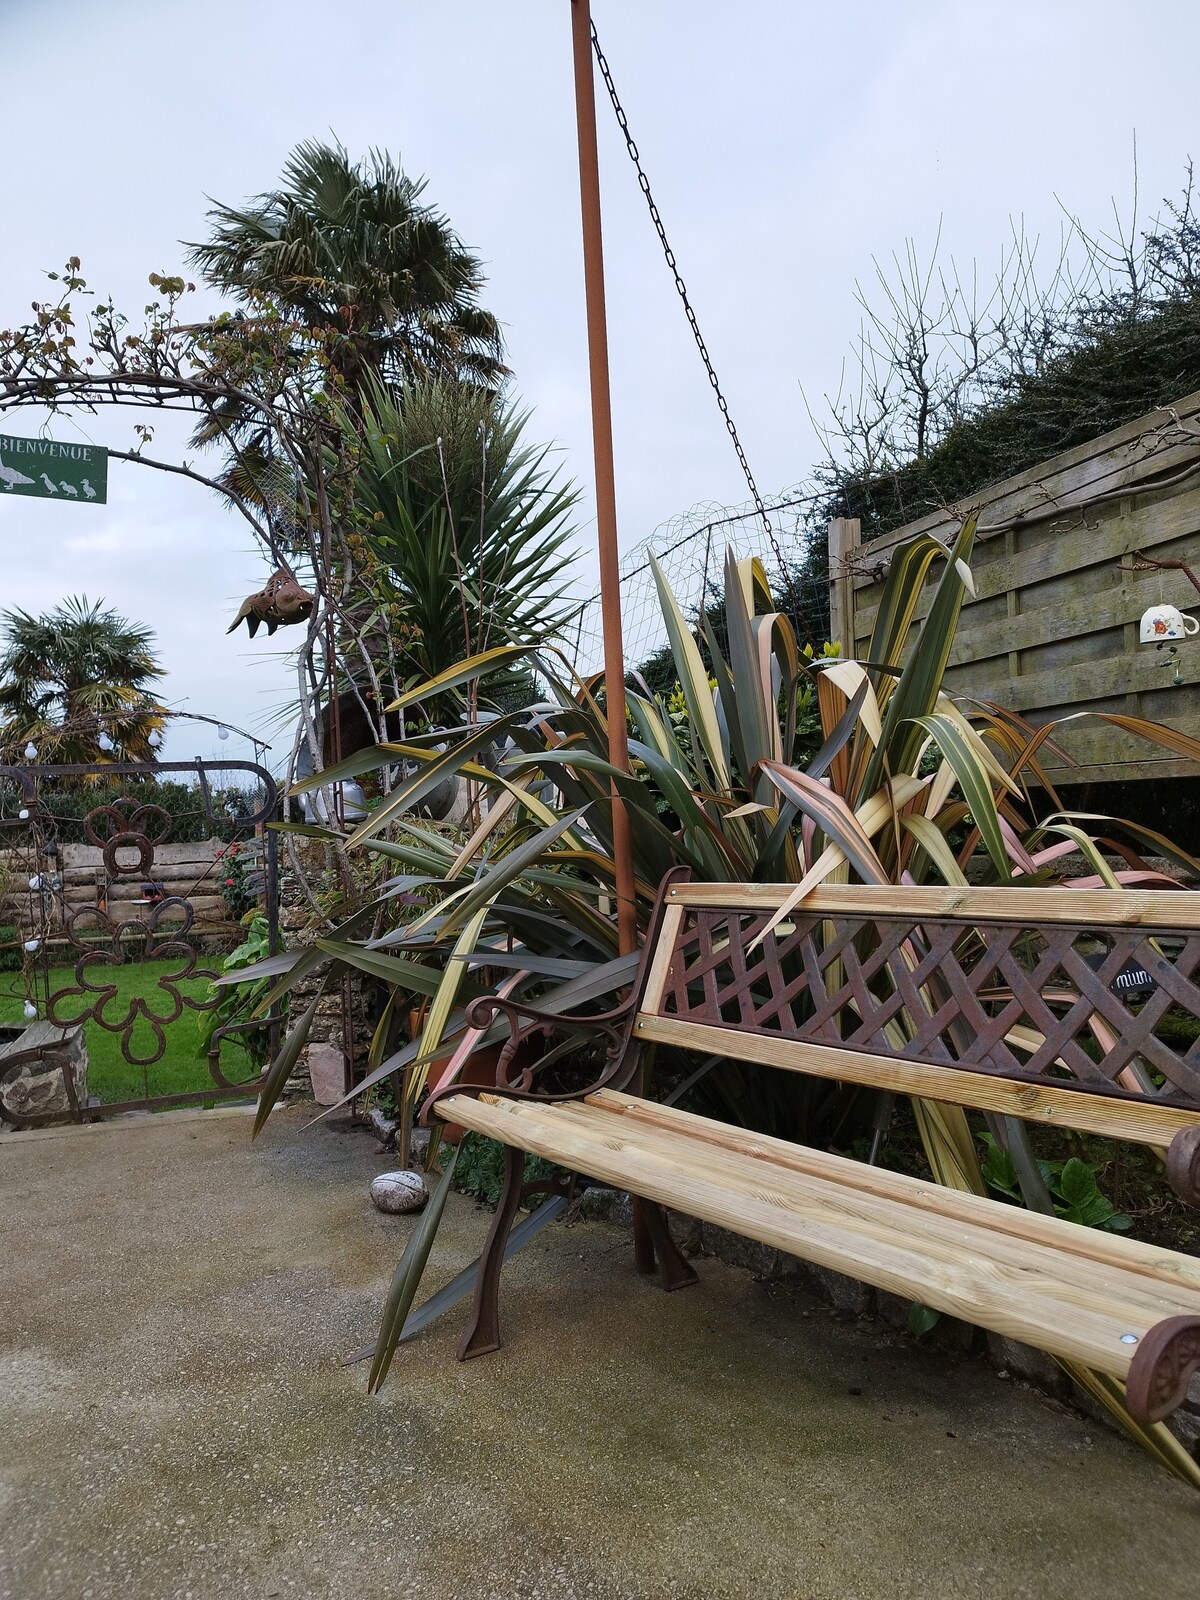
{"x":675,"y":1270}
{"x":482,"y":1335}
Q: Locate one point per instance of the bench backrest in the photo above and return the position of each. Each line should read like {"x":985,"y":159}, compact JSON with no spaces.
{"x":1037,"y":994}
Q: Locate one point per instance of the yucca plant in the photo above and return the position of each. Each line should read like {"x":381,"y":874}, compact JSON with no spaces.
{"x":465,"y":532}
{"x":908,"y":786}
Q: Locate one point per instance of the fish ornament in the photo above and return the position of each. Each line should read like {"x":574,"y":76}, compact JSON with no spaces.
{"x":280,"y":602}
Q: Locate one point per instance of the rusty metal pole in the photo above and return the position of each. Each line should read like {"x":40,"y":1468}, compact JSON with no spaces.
{"x":602,"y":446}
{"x":606,"y":516}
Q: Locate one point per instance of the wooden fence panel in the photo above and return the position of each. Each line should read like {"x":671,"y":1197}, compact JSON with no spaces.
{"x":1053,"y":626}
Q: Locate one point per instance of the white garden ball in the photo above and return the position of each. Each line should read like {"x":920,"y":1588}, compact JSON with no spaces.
{"x":398,"y":1192}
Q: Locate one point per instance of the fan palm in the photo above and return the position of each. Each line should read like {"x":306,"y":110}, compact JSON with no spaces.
{"x":73,"y":675}
{"x":376,"y":284}
{"x":350,"y":247}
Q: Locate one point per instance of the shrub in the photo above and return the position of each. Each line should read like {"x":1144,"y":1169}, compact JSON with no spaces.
{"x":64,"y":807}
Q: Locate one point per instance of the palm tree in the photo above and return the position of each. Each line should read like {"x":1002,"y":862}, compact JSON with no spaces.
{"x":350,"y":248}
{"x":74,"y":676}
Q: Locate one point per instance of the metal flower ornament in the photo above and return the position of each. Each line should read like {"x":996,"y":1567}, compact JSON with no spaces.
{"x":106,"y":943}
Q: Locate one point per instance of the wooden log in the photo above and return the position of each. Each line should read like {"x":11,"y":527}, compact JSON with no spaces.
{"x":168,"y":854}
{"x":165,"y":872}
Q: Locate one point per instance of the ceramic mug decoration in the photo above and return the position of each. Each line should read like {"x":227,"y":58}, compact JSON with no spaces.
{"x":1163,"y":623}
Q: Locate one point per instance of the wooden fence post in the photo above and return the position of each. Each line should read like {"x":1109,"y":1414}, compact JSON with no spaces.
{"x":845,"y":536}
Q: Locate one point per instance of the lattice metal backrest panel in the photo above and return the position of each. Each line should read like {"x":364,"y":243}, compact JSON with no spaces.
{"x":1110,"y":1008}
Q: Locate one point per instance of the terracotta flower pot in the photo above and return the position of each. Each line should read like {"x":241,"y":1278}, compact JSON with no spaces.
{"x":478,"y":1068}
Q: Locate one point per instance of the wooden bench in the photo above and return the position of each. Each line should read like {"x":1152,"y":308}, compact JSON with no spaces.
{"x":1012,"y":1001}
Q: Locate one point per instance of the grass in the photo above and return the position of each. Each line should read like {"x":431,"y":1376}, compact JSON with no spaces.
{"x":110,"y":1077}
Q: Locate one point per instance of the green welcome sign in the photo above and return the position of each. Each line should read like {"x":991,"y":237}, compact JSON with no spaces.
{"x":53,"y":471}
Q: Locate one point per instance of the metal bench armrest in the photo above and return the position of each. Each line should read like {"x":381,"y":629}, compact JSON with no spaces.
{"x":518,"y":1067}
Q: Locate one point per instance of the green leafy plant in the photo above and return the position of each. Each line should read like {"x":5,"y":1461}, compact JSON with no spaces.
{"x":238,"y":1005}
{"x":907,"y":786}
{"x":921,"y":1319}
{"x":480,"y":1168}
{"x":464,"y":534}
{"x":1072,"y":1184}
{"x":239,"y":883}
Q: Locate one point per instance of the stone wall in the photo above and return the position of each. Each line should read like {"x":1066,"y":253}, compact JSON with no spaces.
{"x":336,"y":1005}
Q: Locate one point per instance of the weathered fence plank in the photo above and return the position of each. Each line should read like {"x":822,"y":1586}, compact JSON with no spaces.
{"x":1052,"y":627}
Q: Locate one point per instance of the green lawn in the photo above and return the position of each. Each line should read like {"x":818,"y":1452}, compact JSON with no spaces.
{"x":110,"y":1077}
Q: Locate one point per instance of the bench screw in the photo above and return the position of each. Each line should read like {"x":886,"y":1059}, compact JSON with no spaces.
{"x":1129,"y":1338}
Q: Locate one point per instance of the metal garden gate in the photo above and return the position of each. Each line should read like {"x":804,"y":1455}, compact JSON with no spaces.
{"x":118,"y":918}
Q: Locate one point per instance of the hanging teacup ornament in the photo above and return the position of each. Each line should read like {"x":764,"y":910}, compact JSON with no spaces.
{"x":1160,"y":624}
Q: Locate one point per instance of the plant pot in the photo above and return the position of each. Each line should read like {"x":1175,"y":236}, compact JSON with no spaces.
{"x":479,"y":1068}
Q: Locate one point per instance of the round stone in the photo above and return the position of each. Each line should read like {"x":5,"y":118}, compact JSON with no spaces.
{"x":398,"y":1192}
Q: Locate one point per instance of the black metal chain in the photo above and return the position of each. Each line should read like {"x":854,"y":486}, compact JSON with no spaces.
{"x":681,"y":289}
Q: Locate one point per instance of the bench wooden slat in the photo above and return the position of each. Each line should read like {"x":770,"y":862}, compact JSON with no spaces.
{"x":1113,"y":1118}
{"x":1125,"y":908}
{"x":1046,"y":1298}
{"x":1080,"y":1281}
{"x":656,"y":978}
{"x":1168,"y":1266}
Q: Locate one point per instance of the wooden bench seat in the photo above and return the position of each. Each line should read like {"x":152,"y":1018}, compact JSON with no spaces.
{"x":959,"y":996}
{"x":1093,"y":1298}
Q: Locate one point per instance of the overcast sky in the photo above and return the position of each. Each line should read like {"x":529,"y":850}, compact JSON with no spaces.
{"x":787,"y":143}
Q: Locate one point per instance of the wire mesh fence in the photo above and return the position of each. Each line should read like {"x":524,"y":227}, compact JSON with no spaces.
{"x":690,"y":551}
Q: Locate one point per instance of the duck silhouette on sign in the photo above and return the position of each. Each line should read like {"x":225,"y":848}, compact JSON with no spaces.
{"x":279,"y":603}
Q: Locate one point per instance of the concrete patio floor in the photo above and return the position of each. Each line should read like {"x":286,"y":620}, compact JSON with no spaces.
{"x":174,"y":1420}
